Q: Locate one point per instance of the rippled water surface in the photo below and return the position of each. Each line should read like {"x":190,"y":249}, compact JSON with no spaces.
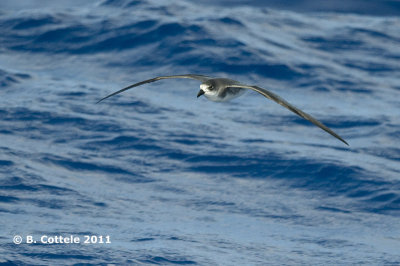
{"x":172,"y":179}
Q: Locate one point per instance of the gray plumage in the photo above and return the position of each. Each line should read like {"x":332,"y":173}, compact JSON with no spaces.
{"x":223,"y":89}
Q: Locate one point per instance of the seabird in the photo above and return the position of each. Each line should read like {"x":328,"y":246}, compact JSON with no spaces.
{"x":223,"y":89}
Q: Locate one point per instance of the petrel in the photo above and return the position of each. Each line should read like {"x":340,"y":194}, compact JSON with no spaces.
{"x":224,"y":89}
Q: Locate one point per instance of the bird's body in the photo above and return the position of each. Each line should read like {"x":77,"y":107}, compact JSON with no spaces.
{"x":223,"y":89}
{"x":223,"y":93}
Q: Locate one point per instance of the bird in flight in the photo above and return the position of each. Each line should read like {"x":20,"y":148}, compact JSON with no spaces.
{"x":223,"y":89}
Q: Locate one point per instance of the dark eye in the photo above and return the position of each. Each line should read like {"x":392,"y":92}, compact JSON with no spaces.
{"x":211,"y":87}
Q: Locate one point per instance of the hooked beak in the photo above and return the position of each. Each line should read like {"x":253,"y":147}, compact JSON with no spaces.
{"x":201,"y":92}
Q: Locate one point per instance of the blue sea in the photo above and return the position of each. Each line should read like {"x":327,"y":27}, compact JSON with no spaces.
{"x":158,"y":176}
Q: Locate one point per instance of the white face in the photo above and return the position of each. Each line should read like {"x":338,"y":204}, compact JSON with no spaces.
{"x":207,"y":90}
{"x":210,"y":93}
{"x":204,"y":87}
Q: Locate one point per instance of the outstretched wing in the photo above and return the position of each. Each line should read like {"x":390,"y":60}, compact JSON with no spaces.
{"x":202,"y":78}
{"x":279,"y":100}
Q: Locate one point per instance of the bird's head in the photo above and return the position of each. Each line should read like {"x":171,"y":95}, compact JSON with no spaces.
{"x":208,"y":88}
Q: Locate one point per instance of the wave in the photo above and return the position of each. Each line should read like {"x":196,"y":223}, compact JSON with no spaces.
{"x":157,"y":168}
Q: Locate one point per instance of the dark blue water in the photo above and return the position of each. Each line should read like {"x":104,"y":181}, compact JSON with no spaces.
{"x":172,"y":179}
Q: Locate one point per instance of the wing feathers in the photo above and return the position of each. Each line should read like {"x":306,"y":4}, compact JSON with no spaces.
{"x":202,"y":78}
{"x":281,"y":101}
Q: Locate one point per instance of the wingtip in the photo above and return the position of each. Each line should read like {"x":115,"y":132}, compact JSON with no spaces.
{"x":345,"y":142}
{"x":102,"y":99}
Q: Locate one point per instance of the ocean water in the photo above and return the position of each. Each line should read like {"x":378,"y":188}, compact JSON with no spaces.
{"x":165,"y":178}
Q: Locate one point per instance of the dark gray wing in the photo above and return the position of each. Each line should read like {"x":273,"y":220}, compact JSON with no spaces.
{"x":279,"y":100}
{"x":202,"y":78}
